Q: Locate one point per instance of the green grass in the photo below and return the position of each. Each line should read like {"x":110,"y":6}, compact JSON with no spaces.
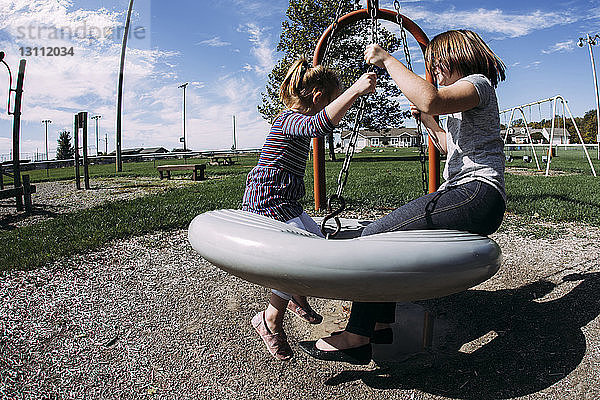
{"x":376,"y":182}
{"x":81,"y":231}
{"x":557,"y":198}
{"x":568,"y":159}
{"x":135,"y":169}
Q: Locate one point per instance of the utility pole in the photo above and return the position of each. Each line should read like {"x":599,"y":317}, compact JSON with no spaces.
{"x":592,"y":41}
{"x":184,"y":86}
{"x":234,"y":147}
{"x":97,"y":117}
{"x":46,"y":122}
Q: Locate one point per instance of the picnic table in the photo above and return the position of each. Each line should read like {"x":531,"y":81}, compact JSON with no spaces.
{"x":197,"y":170}
{"x":222,"y":160}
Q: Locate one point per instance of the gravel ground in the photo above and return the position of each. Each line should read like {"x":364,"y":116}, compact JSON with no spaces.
{"x":61,"y":197}
{"x":148,"y":318}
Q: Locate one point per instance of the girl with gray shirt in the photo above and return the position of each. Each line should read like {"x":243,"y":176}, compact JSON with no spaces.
{"x":472,"y":197}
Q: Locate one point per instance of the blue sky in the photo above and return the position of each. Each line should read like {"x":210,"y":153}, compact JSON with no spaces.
{"x":226,"y":48}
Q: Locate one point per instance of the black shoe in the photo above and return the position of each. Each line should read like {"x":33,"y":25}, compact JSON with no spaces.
{"x":356,"y":355}
{"x":382,"y":336}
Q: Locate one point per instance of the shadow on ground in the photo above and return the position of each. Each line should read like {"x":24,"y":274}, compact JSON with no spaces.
{"x":538,"y":343}
{"x":8,"y":221}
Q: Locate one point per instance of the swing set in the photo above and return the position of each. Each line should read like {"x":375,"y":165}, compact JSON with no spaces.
{"x":553,"y":101}
{"x":322,"y":52}
{"x":392,"y":266}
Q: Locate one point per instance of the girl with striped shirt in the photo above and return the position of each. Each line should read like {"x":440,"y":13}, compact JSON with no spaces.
{"x":275,"y":186}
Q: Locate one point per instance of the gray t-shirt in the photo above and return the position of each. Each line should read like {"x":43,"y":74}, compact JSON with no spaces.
{"x":475,"y":148}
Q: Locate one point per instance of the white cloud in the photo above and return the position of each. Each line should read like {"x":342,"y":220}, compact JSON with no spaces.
{"x":211,"y":125}
{"x":262,"y":49}
{"x":561,"y":47}
{"x":533,"y":65}
{"x":58,"y":87}
{"x":257,"y":8}
{"x":214,"y":42}
{"x":494,"y":21}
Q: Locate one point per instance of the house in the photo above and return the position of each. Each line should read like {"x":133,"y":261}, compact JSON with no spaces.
{"x":133,"y":154}
{"x":561,"y":136}
{"x":154,"y":150}
{"x":128,"y":152}
{"x":395,"y":137}
{"x":518,"y":135}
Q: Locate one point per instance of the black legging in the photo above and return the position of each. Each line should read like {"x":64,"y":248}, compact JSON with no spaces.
{"x":475,"y":207}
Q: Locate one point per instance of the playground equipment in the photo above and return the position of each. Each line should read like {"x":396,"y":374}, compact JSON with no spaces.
{"x":118,"y":160}
{"x":373,"y":13}
{"x":321,"y":53}
{"x":22,"y":189}
{"x":550,"y":153}
{"x":81,"y":123}
{"x":394,"y":266}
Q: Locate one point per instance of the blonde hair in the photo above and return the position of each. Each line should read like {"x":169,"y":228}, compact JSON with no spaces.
{"x":464,"y":51}
{"x":302,"y":81}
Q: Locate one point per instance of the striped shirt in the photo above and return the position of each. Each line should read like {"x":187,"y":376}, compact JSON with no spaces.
{"x":275,"y":186}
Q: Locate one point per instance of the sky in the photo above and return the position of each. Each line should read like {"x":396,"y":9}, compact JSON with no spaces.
{"x":225,"y":50}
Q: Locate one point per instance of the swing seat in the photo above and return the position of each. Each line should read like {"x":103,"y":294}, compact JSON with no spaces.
{"x":394,"y":266}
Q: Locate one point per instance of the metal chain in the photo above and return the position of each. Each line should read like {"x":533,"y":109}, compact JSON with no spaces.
{"x":325,"y":62}
{"x":338,"y":14}
{"x":343,"y":176}
{"x":374,"y":33}
{"x":420,"y":142}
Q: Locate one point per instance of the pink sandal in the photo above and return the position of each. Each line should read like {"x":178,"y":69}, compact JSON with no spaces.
{"x":307,"y":314}
{"x":276,"y":343}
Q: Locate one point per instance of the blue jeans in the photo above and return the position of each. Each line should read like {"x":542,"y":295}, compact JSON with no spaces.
{"x":475,"y":207}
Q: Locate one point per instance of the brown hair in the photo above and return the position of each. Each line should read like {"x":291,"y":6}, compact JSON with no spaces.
{"x":302,"y":81}
{"x":464,"y":51}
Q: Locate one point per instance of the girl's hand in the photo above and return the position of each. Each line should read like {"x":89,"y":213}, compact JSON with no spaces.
{"x":366,"y":83}
{"x":416,"y":113}
{"x":375,"y":55}
{"x":426,"y":119}
{"x":338,"y":108}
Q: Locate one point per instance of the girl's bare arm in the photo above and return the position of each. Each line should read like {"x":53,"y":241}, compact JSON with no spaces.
{"x":460,"y":96}
{"x":338,"y":108}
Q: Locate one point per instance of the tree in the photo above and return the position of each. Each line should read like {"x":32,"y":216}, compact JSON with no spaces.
{"x":65,"y":150}
{"x":306,"y":21}
{"x":589,"y":127}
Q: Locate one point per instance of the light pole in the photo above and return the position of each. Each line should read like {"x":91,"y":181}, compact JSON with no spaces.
{"x":97,"y":117}
{"x":46,"y":122}
{"x":105,"y":140}
{"x":184,"y":86}
{"x":234,"y":147}
{"x":592,"y":41}
{"x":118,"y":161}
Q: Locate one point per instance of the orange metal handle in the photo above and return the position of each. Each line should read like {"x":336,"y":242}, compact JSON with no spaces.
{"x":319,"y":144}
